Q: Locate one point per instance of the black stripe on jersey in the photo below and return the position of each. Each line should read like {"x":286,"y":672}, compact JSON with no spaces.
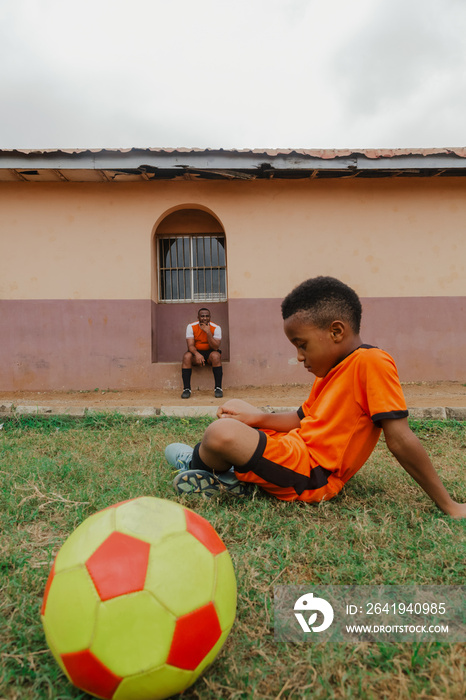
{"x":389,"y":415}
{"x":279,"y":475}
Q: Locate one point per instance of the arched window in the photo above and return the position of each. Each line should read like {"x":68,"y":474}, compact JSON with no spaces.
{"x":189,"y":271}
{"x":191,"y":258}
{"x":192,"y":268}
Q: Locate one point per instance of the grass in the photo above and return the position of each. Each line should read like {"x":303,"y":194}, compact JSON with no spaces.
{"x":56,"y":471}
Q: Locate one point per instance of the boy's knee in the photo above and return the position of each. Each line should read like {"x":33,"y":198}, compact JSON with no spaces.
{"x":220,"y":435}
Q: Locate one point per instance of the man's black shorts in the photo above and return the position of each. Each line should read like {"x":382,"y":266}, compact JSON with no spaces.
{"x":205,"y":353}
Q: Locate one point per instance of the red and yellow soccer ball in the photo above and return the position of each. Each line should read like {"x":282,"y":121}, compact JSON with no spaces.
{"x":140,"y":600}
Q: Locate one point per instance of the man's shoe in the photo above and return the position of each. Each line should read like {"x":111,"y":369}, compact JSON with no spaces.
{"x":218,"y":393}
{"x":186,"y":394}
{"x":198,"y":481}
{"x":179,"y":455}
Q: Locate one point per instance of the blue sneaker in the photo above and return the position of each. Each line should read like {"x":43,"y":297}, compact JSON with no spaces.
{"x":179,"y":455}
{"x":190,"y":480}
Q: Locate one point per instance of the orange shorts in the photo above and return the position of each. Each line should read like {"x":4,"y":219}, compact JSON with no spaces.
{"x":282,"y":466}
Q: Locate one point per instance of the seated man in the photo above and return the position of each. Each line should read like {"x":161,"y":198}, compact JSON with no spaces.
{"x":203,"y":339}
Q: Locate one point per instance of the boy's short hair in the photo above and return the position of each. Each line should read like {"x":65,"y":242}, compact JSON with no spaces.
{"x":323,"y":300}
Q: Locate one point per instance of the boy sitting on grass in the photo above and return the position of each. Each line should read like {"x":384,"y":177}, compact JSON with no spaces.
{"x":310,"y":454}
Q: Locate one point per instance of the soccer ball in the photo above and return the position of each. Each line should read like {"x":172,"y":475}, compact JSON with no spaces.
{"x":140,"y":599}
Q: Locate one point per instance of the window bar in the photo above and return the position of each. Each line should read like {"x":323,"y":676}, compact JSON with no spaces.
{"x":211,"y":270}
{"x":169,"y":273}
{"x":191,"y":252}
{"x":186,"y":261}
{"x":181,"y":266}
{"x":166,"y":262}
{"x":217,"y":262}
{"x":204,"y":270}
{"x":179,"y":263}
{"x":200,"y":263}
{"x":219,"y":286}
{"x":161,"y":275}
{"x":221,"y":270}
{"x":172,"y":274}
{"x":185,"y":265}
{"x":192,"y":268}
{"x":177,"y":270}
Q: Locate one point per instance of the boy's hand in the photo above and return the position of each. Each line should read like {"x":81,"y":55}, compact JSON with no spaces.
{"x":223,"y":411}
{"x":246,"y":418}
{"x":411,"y":455}
{"x":457,"y":510}
{"x":279,"y":422}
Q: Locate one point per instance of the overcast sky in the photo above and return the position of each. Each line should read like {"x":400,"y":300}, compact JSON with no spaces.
{"x":232,"y":73}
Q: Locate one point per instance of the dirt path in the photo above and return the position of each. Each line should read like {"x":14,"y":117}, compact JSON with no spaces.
{"x":418,"y":394}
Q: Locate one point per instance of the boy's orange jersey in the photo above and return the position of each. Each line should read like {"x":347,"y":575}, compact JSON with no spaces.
{"x":340,"y":426}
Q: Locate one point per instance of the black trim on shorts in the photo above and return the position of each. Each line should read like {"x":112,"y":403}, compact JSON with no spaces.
{"x":279,"y":475}
{"x":389,"y":415}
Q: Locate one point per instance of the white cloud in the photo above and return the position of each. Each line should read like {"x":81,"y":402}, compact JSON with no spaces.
{"x":402,"y":76}
{"x":232,"y":73}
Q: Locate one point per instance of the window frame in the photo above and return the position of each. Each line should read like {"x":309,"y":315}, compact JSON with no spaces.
{"x":195,"y":297}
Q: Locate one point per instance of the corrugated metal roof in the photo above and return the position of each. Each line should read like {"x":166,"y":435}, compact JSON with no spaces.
{"x":133,"y":164}
{"x":314,"y":153}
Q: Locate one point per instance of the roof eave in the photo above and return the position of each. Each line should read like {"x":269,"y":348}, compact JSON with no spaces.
{"x":245,"y":164}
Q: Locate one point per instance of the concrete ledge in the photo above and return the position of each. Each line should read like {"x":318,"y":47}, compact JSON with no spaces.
{"x":189,"y":411}
{"x":47,"y":410}
{"x":126,"y":410}
{"x":32,"y":410}
{"x":456,"y":413}
{"x":435,"y":413}
{"x":9,"y":409}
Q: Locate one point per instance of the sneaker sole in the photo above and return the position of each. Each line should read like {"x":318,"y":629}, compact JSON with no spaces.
{"x":200,"y":482}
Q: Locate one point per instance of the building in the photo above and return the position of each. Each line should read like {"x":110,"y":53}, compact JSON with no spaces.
{"x":106,"y":256}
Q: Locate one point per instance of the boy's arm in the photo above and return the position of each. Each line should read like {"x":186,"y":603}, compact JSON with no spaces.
{"x":281,"y":422}
{"x":410,"y":453}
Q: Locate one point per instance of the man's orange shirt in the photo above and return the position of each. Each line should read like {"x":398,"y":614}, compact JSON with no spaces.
{"x":200,"y":337}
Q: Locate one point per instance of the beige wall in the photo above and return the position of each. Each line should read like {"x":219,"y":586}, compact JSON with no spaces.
{"x":77,"y":275}
{"x":390,"y":237}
